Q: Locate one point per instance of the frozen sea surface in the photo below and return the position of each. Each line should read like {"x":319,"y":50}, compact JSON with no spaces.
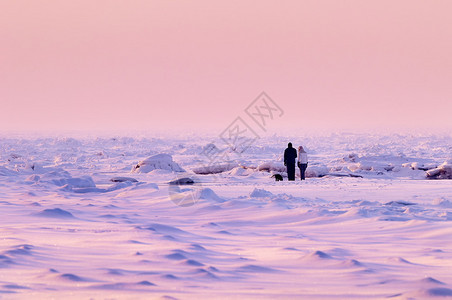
{"x":68,"y":230}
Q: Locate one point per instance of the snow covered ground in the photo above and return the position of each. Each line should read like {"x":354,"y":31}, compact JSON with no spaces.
{"x":368,"y":223}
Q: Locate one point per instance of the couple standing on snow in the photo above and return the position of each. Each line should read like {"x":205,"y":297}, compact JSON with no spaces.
{"x":290,"y":154}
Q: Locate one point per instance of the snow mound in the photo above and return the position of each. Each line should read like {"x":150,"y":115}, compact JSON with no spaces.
{"x":214,"y":169}
{"x":255,"y":269}
{"x":160,"y":161}
{"x":442,"y":202}
{"x":316,"y":171}
{"x":260,"y":193}
{"x":75,"y":182}
{"x":317,"y":255}
{"x":351,"y":263}
{"x":72,"y":277}
{"x":241,"y":171}
{"x":164,"y":229}
{"x":57,"y":213}
{"x":272,"y":166}
{"x":430,"y":280}
{"x":209,"y":194}
{"x":443,"y":171}
{"x":387,"y":164}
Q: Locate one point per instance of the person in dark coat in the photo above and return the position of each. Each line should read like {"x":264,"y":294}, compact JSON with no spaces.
{"x":290,"y":154}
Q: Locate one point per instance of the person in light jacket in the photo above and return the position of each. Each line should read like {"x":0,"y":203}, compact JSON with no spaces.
{"x":302,"y":162}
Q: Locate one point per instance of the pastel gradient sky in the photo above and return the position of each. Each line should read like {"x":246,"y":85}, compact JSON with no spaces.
{"x":197,"y":64}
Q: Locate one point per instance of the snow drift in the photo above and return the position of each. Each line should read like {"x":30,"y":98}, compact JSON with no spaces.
{"x":443,"y":171}
{"x":214,"y":169}
{"x":160,"y":161}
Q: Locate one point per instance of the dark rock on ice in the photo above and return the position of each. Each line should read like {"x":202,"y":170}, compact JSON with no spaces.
{"x":123,"y":179}
{"x":182,"y":181}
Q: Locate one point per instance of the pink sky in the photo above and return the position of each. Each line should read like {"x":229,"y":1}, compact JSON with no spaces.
{"x":192,"y":64}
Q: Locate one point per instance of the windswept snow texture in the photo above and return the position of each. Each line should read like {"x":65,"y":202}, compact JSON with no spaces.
{"x":368,"y":223}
